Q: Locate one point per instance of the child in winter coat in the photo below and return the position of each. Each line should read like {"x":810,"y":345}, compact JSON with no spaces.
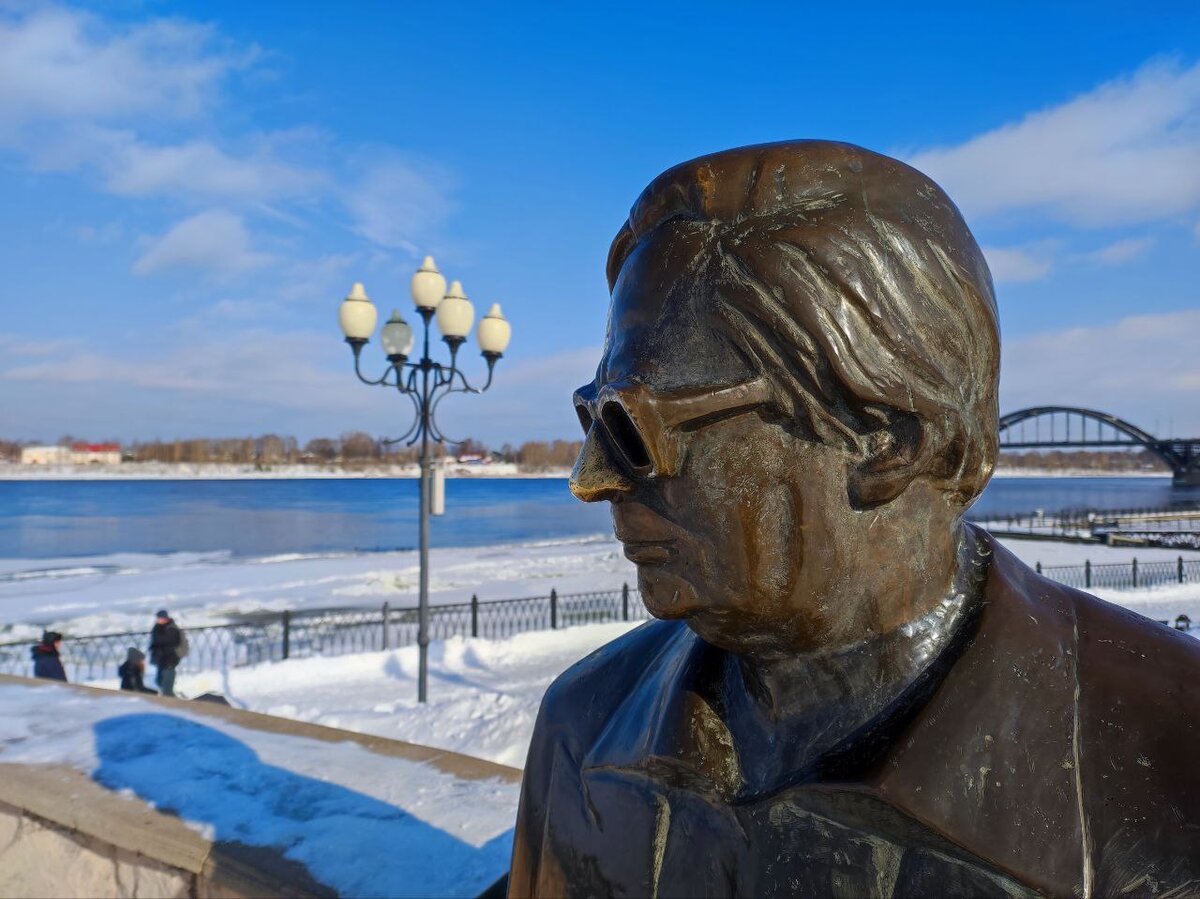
{"x":132,"y":671}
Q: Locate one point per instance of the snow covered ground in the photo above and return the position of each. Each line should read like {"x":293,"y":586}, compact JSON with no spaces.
{"x":112,"y":594}
{"x":483,"y":694}
{"x":363,"y":823}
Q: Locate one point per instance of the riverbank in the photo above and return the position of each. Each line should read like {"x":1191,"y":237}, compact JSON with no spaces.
{"x":160,"y":471}
{"x":1001,"y":472}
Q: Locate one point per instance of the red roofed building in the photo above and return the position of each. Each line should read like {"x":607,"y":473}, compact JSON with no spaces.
{"x":96,"y":453}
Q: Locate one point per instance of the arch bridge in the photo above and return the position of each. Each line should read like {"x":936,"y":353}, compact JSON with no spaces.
{"x":1044,"y":427}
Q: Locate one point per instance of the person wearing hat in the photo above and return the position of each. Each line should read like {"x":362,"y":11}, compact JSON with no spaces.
{"x":165,"y":638}
{"x":132,"y":671}
{"x":46,"y":661}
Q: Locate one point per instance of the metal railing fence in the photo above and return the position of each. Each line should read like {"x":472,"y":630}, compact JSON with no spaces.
{"x":1124,"y":576}
{"x":271,"y":637}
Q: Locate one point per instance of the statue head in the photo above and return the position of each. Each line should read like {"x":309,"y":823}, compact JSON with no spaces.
{"x":797,"y":397}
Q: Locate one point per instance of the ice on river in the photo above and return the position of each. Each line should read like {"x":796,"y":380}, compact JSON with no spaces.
{"x":117,"y":593}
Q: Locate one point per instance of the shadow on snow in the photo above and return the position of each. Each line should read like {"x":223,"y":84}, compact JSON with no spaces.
{"x":348,"y":841}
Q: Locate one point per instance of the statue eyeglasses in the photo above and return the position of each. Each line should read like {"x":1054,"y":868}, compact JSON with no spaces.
{"x":649,"y":429}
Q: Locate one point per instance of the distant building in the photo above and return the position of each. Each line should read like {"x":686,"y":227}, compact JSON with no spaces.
{"x":96,"y":453}
{"x":76,"y":454}
{"x":45,"y":455}
{"x":473,"y":459}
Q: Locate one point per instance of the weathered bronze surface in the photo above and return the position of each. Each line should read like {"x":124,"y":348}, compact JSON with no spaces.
{"x":850,"y":692}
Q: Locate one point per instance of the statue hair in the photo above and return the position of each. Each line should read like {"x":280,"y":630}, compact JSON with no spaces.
{"x":852,"y":281}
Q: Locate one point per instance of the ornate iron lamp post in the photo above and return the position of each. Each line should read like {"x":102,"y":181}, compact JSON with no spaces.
{"x":426,"y":382}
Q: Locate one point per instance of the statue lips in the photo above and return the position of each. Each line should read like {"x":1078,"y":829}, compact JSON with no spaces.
{"x":647,"y":536}
{"x":645,"y":552}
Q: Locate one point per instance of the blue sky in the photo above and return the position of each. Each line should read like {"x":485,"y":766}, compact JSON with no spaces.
{"x":189,"y":189}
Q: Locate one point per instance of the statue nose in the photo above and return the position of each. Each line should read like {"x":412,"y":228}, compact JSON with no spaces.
{"x":594,"y":477}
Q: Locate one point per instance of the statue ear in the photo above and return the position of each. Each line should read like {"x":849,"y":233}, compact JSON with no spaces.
{"x":893,"y":457}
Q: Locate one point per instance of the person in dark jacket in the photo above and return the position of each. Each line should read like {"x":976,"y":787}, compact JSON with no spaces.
{"x":164,"y":651}
{"x":46,"y":662}
{"x":132,"y":670}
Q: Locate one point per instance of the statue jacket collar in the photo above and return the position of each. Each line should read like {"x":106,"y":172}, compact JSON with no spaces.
{"x":1009,"y":752}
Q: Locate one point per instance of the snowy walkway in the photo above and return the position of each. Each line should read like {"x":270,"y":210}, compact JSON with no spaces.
{"x":362,"y":822}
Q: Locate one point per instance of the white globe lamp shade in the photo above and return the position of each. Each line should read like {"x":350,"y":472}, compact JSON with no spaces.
{"x":357,"y":314}
{"x":494,"y":332}
{"x":455,"y":314}
{"x":428,"y":285}
{"x":397,"y":336}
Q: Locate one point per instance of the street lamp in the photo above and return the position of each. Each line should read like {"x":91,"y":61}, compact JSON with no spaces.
{"x":425,"y":382}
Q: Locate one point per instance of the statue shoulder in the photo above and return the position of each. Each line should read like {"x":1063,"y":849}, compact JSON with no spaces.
{"x":591,"y":689}
{"x":1130,"y":652}
{"x":1139,"y":723}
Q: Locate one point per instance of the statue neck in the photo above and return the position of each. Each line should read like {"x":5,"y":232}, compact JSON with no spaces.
{"x":794,"y":709}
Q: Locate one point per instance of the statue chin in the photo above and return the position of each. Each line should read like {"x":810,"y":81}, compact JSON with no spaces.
{"x":669,"y":596}
{"x":666,"y":595}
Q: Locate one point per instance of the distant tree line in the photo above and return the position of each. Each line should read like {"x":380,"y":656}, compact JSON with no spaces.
{"x":354,"y":449}
{"x":1094,"y":460}
{"x":357,"y":449}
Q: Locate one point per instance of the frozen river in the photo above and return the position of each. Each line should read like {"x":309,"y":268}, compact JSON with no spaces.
{"x":97,"y":557}
{"x":253,"y":518}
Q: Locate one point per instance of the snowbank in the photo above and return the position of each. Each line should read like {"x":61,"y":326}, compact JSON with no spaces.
{"x":483,"y":694}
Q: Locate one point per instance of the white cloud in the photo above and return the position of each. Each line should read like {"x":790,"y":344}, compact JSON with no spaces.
{"x":192,"y":169}
{"x":1141,"y":368}
{"x":318,"y":279}
{"x":88,"y":96}
{"x":396,"y":203}
{"x":1125,"y":152}
{"x":215,"y":241}
{"x":12,"y":345}
{"x":201,"y":380}
{"x":253,"y":365}
{"x":1014,"y":264}
{"x":58,"y":63}
{"x":199,"y":168}
{"x":1121,"y":251}
{"x":80,"y":94}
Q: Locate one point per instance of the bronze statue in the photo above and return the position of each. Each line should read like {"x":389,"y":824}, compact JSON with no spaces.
{"x":850,"y":692}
